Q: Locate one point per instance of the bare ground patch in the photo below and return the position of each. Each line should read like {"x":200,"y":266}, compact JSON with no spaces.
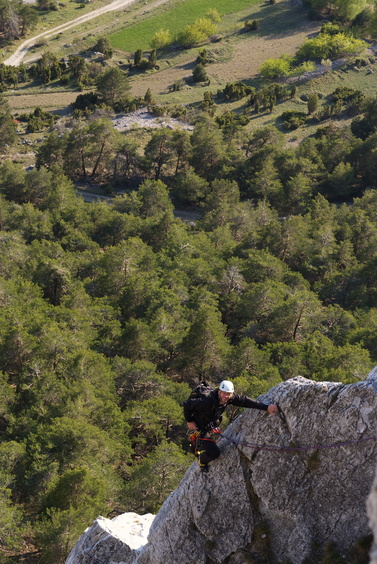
{"x":57,"y":101}
{"x":142,"y":118}
{"x":249,"y":54}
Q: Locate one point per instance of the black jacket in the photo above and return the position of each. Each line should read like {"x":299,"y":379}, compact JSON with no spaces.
{"x":206,"y":410}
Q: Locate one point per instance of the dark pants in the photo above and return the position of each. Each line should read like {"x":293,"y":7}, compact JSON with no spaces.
{"x":206,"y":446}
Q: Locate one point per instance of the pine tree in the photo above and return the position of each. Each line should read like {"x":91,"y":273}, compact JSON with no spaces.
{"x":148,"y":97}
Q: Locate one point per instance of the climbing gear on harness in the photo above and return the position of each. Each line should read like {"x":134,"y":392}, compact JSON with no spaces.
{"x":193,"y":436}
{"x":197,"y":448}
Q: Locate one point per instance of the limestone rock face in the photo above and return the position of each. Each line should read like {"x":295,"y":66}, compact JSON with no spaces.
{"x":112,"y":541}
{"x":307,"y":488}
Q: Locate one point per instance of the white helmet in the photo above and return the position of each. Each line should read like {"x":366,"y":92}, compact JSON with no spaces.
{"x":226,"y":386}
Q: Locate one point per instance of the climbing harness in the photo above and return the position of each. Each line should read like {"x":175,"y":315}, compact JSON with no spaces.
{"x":196,"y":446}
{"x":272,"y":448}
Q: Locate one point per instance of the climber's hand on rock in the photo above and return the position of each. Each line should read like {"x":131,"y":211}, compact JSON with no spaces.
{"x":273,"y":409}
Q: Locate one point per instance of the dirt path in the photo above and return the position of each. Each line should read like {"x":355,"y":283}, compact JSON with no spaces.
{"x":22,"y":50}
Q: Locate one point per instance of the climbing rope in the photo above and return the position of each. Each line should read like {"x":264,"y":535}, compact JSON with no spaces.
{"x":272,"y":448}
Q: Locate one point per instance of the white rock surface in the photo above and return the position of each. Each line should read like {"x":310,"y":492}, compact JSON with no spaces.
{"x":111,"y":540}
{"x":307,"y":489}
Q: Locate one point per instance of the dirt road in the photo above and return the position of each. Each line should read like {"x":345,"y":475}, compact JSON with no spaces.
{"x":18,"y":56}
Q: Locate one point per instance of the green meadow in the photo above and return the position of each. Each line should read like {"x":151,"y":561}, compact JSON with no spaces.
{"x":138,"y":36}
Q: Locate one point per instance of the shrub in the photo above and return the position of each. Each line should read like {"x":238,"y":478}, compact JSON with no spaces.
{"x":138,"y":55}
{"x":197,"y":32}
{"x":161,"y":39}
{"x":178,"y":85}
{"x":343,"y":93}
{"x":230,"y":118}
{"x":190,"y":36}
{"x":331,"y":28}
{"x":236,"y":90}
{"x":178,"y":112}
{"x":306,"y":66}
{"x":293,"y":119}
{"x":324,"y":114}
{"x":148,"y":98}
{"x":103,"y":46}
{"x":199,"y":73}
{"x":276,"y":68}
{"x":362,"y":19}
{"x":202,"y":58}
{"x":312,"y":103}
{"x":38,"y":120}
{"x":267,"y":97}
{"x":253,"y":26}
{"x":327,"y":46}
{"x":87,"y":100}
{"x":158,"y":111}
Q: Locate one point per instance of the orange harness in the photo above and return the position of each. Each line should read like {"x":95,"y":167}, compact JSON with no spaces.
{"x":195,"y":440}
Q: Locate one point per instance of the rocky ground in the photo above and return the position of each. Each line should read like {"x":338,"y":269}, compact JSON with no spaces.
{"x":143,"y":118}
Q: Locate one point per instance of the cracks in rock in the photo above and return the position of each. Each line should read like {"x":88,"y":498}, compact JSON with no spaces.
{"x":333,"y":396}
{"x":285,"y":426}
{"x":206,"y":546}
{"x":331,"y":531}
{"x":259,"y":546}
{"x":171,"y":546}
{"x":244,"y":461}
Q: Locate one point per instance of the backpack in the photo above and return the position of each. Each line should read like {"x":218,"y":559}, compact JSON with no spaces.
{"x":202,"y":390}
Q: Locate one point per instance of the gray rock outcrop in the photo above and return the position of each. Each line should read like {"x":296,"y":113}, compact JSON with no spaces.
{"x":286,"y":501}
{"x":116,"y":540}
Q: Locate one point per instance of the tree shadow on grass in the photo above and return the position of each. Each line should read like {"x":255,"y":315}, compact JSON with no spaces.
{"x":280,"y":20}
{"x":190,"y":65}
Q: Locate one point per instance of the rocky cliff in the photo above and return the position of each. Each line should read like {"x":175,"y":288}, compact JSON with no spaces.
{"x":284,"y":488}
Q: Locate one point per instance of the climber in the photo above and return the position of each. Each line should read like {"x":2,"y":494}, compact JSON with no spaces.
{"x":203,"y":413}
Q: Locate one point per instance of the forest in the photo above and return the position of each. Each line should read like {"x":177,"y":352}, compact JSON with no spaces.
{"x":112,"y":311}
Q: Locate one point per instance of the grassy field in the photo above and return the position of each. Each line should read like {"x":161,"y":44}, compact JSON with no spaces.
{"x":174,"y":19}
{"x":55,"y":101}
